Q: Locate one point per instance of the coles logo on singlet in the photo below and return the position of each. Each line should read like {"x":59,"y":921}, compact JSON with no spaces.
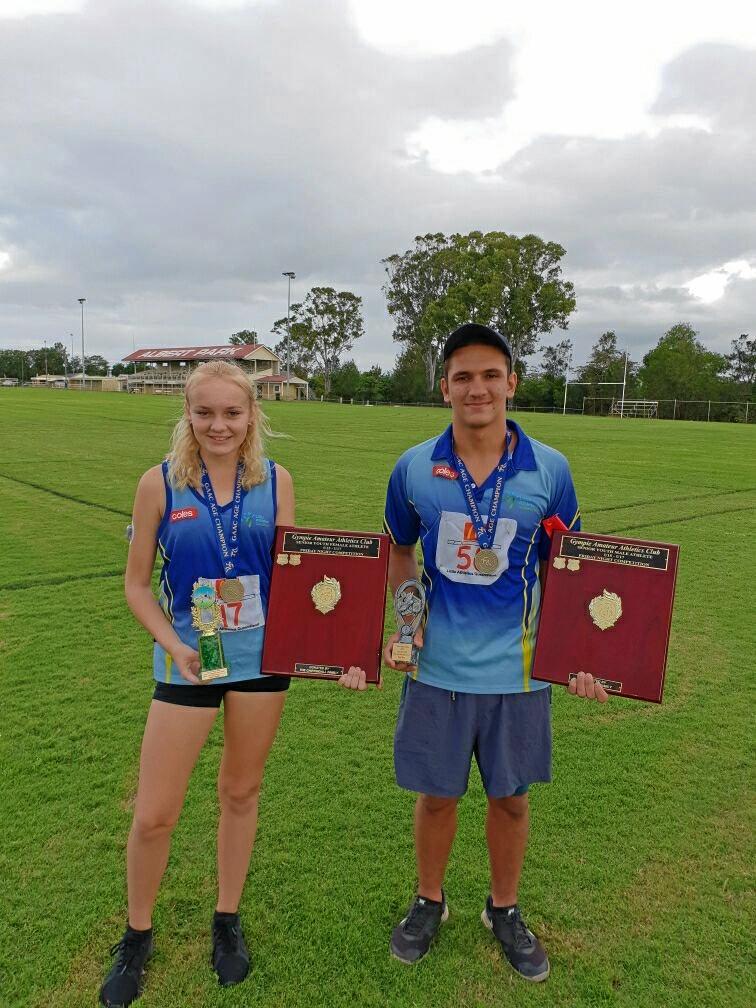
{"x":445,"y":471}
{"x":184,"y":514}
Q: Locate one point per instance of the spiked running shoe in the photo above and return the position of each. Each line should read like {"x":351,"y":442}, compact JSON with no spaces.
{"x":412,"y":937}
{"x":230,"y":958}
{"x":521,"y":947}
{"x":123,"y":984}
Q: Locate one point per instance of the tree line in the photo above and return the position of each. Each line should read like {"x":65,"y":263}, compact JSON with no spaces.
{"x":513,"y":283}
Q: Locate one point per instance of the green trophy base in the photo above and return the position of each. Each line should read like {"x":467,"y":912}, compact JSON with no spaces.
{"x":212,"y":664}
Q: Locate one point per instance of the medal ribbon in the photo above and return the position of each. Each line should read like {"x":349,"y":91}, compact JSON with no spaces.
{"x":484,"y":533}
{"x":230,"y":549}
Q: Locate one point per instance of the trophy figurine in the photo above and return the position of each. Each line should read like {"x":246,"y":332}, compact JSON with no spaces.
{"x":206,"y":620}
{"x":409,"y":605}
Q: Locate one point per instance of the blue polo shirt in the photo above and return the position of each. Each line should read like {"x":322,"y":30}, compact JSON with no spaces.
{"x":480,"y":628}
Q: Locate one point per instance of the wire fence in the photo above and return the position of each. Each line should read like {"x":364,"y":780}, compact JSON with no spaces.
{"x":711,"y":410}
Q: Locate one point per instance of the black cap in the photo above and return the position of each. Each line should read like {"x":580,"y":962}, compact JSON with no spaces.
{"x":470,"y":334}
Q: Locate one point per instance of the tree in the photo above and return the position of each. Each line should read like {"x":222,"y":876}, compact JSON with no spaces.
{"x":742,"y":362}
{"x":302,"y":359}
{"x":374,"y":384}
{"x":96,"y":365}
{"x":417,"y":279}
{"x":326,"y":324}
{"x":545,"y":388}
{"x":513,"y":284}
{"x":680,"y":367}
{"x":346,"y":380}
{"x":607,"y":364}
{"x":408,"y":381}
{"x":556,"y":360}
{"x":245,"y":337}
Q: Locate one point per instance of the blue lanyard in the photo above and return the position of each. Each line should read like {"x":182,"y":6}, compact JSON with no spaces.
{"x":231,"y":549}
{"x":484,"y":533}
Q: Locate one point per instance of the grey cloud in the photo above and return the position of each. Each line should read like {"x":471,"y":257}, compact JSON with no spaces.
{"x":168,"y":162}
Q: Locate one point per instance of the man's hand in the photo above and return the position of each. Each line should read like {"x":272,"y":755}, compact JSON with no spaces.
{"x":354,"y":678}
{"x":400,"y":666}
{"x":584,"y":685}
{"x":186,"y":660}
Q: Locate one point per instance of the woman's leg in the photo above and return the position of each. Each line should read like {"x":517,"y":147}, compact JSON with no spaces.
{"x":250,"y":723}
{"x":173,"y":738}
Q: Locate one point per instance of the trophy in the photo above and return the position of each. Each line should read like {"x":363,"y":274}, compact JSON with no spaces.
{"x":409,"y":606}
{"x":206,"y":620}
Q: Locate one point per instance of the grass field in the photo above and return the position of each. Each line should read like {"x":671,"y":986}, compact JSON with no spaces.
{"x":638,"y":876}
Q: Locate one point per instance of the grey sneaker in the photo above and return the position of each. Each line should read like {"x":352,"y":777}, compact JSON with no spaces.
{"x":230,"y":958}
{"x":521,"y":947}
{"x":412,"y":937}
{"x":123,"y":984}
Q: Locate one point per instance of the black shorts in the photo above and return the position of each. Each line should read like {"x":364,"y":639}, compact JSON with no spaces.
{"x":212,"y":694}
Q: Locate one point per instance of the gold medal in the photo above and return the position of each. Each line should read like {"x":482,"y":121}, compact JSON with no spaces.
{"x":231,"y":590}
{"x":485,"y":561}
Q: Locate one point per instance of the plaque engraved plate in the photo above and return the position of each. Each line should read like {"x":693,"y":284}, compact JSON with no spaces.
{"x":606,"y":610}
{"x":326,"y":604}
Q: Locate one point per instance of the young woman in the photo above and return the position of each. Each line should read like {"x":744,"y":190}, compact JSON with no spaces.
{"x":211,"y":509}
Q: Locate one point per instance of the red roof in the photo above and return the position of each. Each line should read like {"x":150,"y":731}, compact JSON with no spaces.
{"x":277,"y":378}
{"x":225,"y":352}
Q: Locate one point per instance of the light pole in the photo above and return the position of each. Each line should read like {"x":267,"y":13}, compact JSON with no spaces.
{"x":291,"y":276}
{"x":45,"y":362}
{"x":81,"y":302}
{"x":566,"y":382}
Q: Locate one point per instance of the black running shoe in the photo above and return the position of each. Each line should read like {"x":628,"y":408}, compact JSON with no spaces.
{"x":412,"y":937}
{"x":230,"y":958}
{"x":521,"y":947}
{"x":124,"y":982}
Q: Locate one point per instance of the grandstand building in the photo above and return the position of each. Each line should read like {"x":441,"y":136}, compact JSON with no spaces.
{"x":167,"y":368}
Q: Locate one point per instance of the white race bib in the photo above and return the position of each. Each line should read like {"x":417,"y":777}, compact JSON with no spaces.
{"x":457,"y":545}
{"x":239,"y":615}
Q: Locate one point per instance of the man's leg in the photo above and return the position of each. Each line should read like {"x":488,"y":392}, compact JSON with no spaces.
{"x":507,"y":838}
{"x":435,"y":826}
{"x":513,"y":750}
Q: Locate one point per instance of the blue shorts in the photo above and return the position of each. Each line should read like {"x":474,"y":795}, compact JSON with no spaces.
{"x":438,"y":732}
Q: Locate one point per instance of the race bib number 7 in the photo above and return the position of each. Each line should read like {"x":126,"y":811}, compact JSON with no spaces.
{"x":457,"y":545}
{"x":244,"y":614}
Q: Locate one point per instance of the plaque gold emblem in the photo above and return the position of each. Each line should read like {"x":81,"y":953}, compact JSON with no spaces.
{"x":573,"y":564}
{"x":560,"y":563}
{"x":605,"y":609}
{"x":282,"y":559}
{"x":326,"y":594}
{"x":295,"y":559}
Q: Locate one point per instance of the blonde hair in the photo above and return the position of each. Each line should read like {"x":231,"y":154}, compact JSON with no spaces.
{"x":184,"y":465}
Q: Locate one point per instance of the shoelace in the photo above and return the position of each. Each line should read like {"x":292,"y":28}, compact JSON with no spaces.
{"x":521,"y":935}
{"x":227,"y":936}
{"x":416,"y":918}
{"x":127,"y":949}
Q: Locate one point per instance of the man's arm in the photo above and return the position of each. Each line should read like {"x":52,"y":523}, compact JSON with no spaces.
{"x":402,"y":567}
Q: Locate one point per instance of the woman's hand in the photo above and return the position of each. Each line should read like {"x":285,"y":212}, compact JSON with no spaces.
{"x":187,"y":662}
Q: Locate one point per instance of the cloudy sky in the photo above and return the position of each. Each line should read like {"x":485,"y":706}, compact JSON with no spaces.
{"x":168,"y":159}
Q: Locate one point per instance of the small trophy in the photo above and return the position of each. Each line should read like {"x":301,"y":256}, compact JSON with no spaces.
{"x":409,"y":605}
{"x":206,"y":620}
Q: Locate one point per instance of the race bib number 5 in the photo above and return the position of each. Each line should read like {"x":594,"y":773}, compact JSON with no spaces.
{"x":457,"y":545}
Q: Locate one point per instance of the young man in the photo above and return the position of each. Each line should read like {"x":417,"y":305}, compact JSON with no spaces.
{"x":476,"y":497}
